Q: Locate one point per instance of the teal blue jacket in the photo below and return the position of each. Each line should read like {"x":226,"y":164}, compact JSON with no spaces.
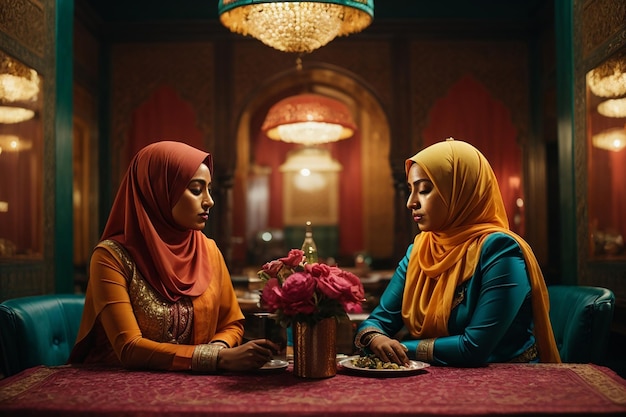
{"x":493,"y":322}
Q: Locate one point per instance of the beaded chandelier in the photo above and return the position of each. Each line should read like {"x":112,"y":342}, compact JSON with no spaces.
{"x":296,"y":26}
{"x":19,"y":86}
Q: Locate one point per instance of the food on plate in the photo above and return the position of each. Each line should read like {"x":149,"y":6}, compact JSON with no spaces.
{"x":373,"y":362}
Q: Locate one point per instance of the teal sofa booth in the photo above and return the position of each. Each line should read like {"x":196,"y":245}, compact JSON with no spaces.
{"x":581,"y":321}
{"x":38,"y":330}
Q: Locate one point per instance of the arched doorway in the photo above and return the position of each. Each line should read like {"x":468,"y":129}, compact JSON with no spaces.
{"x":366,"y":218}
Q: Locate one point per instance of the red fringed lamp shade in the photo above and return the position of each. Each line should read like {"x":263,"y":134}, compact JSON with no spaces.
{"x":309,"y":119}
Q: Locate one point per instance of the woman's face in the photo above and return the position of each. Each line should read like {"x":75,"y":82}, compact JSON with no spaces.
{"x":192,"y":209}
{"x":426,"y":205}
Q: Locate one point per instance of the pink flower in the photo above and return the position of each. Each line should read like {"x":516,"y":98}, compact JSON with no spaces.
{"x":298,"y":290}
{"x":293,"y":259}
{"x":344,"y":287}
{"x":272,"y":294}
{"x":298,"y":294}
{"x":356,"y":287}
{"x":272,"y":268}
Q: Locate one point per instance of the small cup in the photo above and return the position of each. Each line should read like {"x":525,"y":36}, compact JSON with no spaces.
{"x":269,"y":328}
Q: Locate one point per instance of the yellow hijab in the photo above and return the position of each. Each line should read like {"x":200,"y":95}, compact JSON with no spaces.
{"x":441,"y":261}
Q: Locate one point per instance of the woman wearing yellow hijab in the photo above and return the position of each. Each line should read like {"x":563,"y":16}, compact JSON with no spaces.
{"x":469,"y":291}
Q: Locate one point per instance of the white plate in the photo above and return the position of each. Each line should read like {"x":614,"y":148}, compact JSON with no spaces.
{"x":274,"y":364}
{"x":413,"y":367}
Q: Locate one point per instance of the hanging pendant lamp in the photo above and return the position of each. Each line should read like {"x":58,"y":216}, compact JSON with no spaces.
{"x":309,"y":119}
{"x":296,"y":26}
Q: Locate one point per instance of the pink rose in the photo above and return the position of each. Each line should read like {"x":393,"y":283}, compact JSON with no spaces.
{"x":317,"y":270}
{"x":272,"y":295}
{"x":293,"y":259}
{"x":297,"y":294}
{"x":356,"y":286}
{"x":272,"y":268}
{"x":344,"y":287}
{"x":352,"y":307}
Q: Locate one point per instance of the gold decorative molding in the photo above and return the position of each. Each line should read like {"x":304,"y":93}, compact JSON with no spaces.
{"x":24,"y":21}
{"x":601,"y":20}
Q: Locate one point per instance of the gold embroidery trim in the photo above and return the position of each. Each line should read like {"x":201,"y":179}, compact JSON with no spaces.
{"x":425,"y":350}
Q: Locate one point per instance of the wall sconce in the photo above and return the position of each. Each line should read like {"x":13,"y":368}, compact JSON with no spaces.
{"x":611,"y":139}
{"x":296,"y":26}
{"x":309,"y":119}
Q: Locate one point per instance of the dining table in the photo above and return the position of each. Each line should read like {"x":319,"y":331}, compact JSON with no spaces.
{"x":495,"y":389}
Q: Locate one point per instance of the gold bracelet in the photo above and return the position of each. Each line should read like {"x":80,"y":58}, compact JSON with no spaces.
{"x":365,"y":336}
{"x":425,"y":350}
{"x":204,"y":358}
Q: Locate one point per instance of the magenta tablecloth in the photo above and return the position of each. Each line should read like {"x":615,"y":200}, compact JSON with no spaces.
{"x":513,"y":389}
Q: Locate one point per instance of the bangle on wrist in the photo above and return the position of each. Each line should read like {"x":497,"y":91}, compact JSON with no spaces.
{"x":365,"y":337}
{"x":204,"y":358}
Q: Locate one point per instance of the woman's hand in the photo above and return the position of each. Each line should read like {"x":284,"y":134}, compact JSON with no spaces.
{"x":251,"y":355}
{"x":389,"y":350}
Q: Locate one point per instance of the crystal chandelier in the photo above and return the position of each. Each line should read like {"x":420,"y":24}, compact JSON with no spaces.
{"x":609,"y":78}
{"x":309,"y":119}
{"x":19,"y":87}
{"x":296,"y":26}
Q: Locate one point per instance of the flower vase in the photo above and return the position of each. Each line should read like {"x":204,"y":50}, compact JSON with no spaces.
{"x":315,"y":349}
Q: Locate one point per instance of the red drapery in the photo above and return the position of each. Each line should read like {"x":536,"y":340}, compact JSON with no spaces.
{"x":163,"y":116}
{"x":469,"y":113}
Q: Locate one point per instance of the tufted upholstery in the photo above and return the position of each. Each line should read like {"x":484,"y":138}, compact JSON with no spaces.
{"x":581,"y":320}
{"x":38,"y":330}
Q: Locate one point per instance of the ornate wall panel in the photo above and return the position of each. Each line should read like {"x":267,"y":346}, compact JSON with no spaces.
{"x":27,"y":33}
{"x":600,"y":30}
{"x":23,"y":20}
{"x":602,"y":23}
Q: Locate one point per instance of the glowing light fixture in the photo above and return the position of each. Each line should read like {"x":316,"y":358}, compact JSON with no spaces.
{"x":611,"y":139}
{"x":296,"y":26}
{"x":308,"y":160}
{"x":609,"y":78}
{"x":13,"y":143}
{"x":311,"y":168}
{"x":613,"y":108}
{"x":309,"y":119}
{"x":19,"y":87}
{"x":13,"y":114}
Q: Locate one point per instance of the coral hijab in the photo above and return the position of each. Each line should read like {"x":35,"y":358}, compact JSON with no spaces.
{"x":173,"y":260}
{"x":440,"y":261}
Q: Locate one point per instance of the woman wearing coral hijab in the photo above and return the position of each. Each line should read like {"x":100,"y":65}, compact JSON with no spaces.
{"x":469,"y":291}
{"x":159,"y":294}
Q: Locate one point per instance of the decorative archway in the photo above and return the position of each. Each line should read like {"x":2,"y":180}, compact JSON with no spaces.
{"x":372,"y":212}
